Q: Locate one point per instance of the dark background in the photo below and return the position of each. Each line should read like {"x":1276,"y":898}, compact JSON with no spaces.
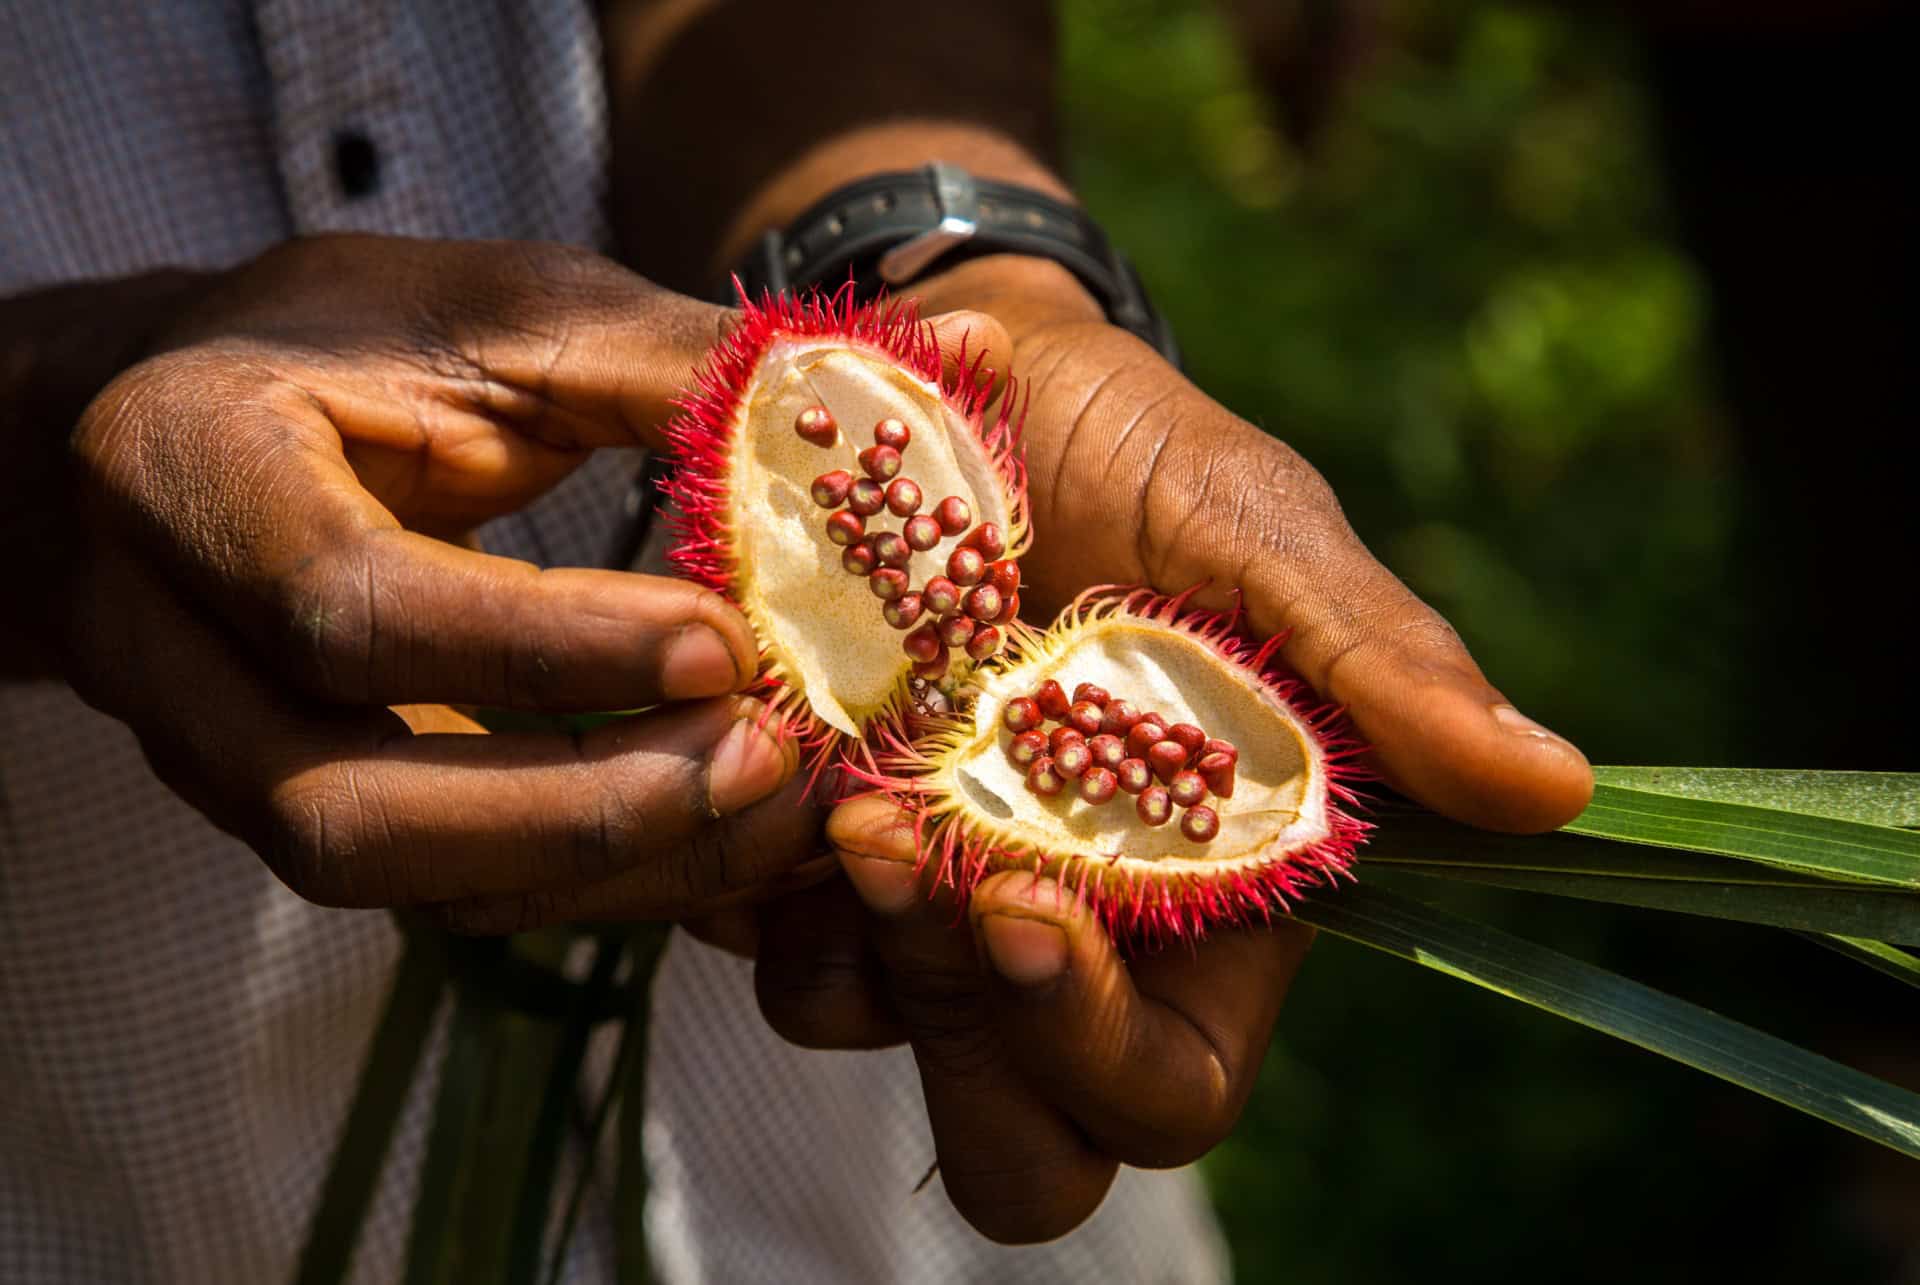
{"x":1597,"y":320}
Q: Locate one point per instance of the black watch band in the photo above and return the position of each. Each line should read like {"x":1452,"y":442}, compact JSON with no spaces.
{"x":886,"y":230}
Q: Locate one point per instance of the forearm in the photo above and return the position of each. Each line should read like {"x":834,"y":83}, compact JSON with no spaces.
{"x":58,"y":348}
{"x":731,"y":118}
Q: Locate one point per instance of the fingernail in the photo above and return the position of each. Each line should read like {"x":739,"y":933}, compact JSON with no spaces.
{"x":745,"y":767}
{"x":1030,"y":953}
{"x":1519,"y":724}
{"x":697,"y":663}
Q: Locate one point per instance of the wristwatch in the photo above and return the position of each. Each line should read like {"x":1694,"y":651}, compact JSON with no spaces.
{"x":887,"y":230}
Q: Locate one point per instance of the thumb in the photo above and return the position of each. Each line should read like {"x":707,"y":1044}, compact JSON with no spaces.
{"x":1436,"y":728}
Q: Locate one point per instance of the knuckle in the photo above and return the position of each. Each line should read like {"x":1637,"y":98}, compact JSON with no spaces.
{"x":946,"y":1015}
{"x":329,"y":625}
{"x":308,"y":844}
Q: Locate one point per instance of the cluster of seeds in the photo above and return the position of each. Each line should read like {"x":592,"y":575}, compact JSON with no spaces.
{"x":1108,"y":746}
{"x":962,"y":609}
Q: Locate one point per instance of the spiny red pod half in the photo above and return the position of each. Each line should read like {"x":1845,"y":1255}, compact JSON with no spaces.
{"x":747,"y":520}
{"x":1286,"y":827}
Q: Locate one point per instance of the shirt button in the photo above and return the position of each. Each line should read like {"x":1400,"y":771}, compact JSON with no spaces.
{"x":356,"y":164}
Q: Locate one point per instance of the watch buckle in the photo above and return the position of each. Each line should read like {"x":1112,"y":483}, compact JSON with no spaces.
{"x":959,"y":207}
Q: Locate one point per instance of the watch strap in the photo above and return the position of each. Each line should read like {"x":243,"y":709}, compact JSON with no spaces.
{"x":886,"y":230}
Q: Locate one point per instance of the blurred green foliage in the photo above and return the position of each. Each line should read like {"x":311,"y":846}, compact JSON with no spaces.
{"x":1468,"y":308}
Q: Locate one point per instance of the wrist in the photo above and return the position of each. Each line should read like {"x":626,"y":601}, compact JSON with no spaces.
{"x":1023,"y":292}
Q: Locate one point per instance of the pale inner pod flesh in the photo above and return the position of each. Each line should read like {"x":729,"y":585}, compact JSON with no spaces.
{"x":1279,"y":803}
{"x":822,"y":626}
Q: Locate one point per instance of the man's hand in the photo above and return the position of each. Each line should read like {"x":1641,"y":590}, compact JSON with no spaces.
{"x":1140,"y":478}
{"x":271,"y":519}
{"x":1046,"y":1061}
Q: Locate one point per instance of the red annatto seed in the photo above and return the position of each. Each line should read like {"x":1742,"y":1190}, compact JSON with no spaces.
{"x":860,"y":559}
{"x":955,"y":630}
{"x":1108,"y":751}
{"x":1084,"y":717}
{"x":1020,"y":714}
{"x":830,"y":489}
{"x":816,"y":424}
{"x":966,"y":566}
{"x":982,"y":602}
{"x":1009,"y":609}
{"x":892,"y":549}
{"x":1053,"y":700}
{"x":903,"y":497}
{"x":942,"y":596}
{"x":988,"y":540}
{"x":903,"y":612}
{"x":845,"y":528}
{"x":1072,"y":759}
{"x":1153,"y":805}
{"x":1134,"y":775}
{"x":923,"y":644}
{"x":1044,"y":779}
{"x":1098,"y":784}
{"x":867,"y":497}
{"x":954,"y":515}
{"x":1061,"y":737}
{"x":1200,"y":824}
{"x":935,"y":668}
{"x":1119,"y":717}
{"x":1004,"y":576}
{"x":921,"y":533}
{"x":1217,"y":771}
{"x":1143,"y":736}
{"x":891,"y":432}
{"x":1166,"y":758}
{"x":1092,"y":692}
{"x":1190,"y":737}
{"x":1216,"y":746}
{"x":880,"y":463}
{"x":888,"y":583}
{"x":1186,"y":788}
{"x":1026,"y":748}
{"x":985,"y":642}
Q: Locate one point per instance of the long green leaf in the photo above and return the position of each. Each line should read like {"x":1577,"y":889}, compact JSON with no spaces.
{"x":1889,"y":916}
{"x":1875,"y":798}
{"x":1877,"y":955}
{"x":1639,"y":1014}
{"x":1821,"y":846}
{"x":549,"y":1134}
{"x":392,"y":1059}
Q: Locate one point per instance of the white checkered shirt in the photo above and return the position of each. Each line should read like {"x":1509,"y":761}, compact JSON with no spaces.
{"x":177,"y":1046}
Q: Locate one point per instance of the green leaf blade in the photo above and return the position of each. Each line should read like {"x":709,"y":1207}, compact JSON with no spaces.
{"x":1821,"y":846}
{"x":1626,"y":1009}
